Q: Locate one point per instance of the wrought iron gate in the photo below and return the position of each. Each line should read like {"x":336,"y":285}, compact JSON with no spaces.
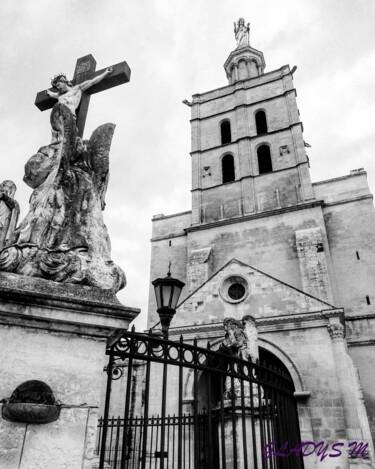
{"x":184,"y":406}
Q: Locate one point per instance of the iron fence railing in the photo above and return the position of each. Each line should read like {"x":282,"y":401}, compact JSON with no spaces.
{"x":183,"y":406}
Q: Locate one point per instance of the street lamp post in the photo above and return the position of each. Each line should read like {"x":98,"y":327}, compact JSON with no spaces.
{"x":167,"y":292}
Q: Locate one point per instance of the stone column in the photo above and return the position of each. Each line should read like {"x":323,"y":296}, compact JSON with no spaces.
{"x":236,"y":72}
{"x":348,"y":394}
{"x":248,"y":66}
{"x":57,"y":334}
{"x":357,"y":427}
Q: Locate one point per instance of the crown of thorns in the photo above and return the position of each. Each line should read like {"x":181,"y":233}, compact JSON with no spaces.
{"x":60,"y":77}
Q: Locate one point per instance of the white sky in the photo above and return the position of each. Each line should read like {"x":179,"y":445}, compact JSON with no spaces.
{"x":177,"y":48}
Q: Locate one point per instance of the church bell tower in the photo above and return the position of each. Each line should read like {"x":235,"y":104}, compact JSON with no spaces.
{"x":248,"y":152}
{"x":262,"y":240}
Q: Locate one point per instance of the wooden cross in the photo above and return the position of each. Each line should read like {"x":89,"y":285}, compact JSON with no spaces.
{"x":85,"y":70}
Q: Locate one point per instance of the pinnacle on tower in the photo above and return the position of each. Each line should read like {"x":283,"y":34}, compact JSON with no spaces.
{"x":244,"y":62}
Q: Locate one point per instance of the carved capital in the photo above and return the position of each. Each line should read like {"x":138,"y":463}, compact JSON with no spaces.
{"x":336,"y":331}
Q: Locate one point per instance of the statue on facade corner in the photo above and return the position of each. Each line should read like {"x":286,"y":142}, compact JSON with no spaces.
{"x":242,"y":33}
{"x":9,"y":212}
{"x":235,"y":339}
{"x":241,"y":341}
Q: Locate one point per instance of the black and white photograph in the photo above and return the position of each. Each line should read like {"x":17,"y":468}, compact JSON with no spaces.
{"x":187,"y":234}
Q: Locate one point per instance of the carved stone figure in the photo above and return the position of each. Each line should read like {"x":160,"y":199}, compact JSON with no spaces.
{"x":241,"y":341}
{"x":9,"y":211}
{"x":71,"y":95}
{"x":235,"y":344}
{"x":242,"y":33}
{"x":235,"y":340}
{"x":63,"y":237}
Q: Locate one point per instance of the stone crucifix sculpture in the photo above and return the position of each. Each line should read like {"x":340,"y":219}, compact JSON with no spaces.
{"x":63,"y":236}
{"x":86,"y":81}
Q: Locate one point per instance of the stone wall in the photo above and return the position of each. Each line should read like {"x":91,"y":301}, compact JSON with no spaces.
{"x":55,"y":333}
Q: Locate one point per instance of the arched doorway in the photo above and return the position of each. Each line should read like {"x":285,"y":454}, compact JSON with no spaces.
{"x":268,"y":419}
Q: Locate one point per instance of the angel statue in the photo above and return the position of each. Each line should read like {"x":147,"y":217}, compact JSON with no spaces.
{"x":242,"y":33}
{"x":241,"y":341}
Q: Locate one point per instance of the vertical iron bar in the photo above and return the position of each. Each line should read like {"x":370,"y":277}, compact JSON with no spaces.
{"x":274,"y":423}
{"x":180,"y":384}
{"x":127,"y":405}
{"x":190,"y":443}
{"x":262,"y":443}
{"x":140,"y":439}
{"x":209,"y":422}
{"x":267,"y":422}
{"x":110,"y":442}
{"x":157,"y":438}
{"x":117,"y":441}
{"x":174,"y":439}
{"x":279,"y":422}
{"x":152,"y":440}
{"x":168,"y":428}
{"x":147,"y":396}
{"x":244,"y":439}
{"x":283,"y":425}
{"x":196,"y":441}
{"x":106,"y":408}
{"x":222,"y":424}
{"x":253,"y":416}
{"x":286,"y":424}
{"x":135,"y":421}
{"x":163,"y":405}
{"x":184,"y":443}
{"x":100,"y":426}
{"x":233,"y":399}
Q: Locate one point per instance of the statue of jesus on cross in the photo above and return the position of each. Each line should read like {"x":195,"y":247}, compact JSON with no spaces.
{"x":75,"y":94}
{"x":71,"y":95}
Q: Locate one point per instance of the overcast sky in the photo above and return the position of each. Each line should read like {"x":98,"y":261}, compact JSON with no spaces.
{"x":176,"y":48}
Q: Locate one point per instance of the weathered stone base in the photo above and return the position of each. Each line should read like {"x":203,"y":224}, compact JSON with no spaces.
{"x":56,"y":334}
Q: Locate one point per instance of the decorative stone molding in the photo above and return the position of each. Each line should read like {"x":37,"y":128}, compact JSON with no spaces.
{"x":336,"y":331}
{"x":305,"y":320}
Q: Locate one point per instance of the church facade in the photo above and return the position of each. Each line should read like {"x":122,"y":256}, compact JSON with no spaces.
{"x":263,"y":240}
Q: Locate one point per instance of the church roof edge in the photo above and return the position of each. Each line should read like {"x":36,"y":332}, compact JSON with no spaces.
{"x":353,"y":173}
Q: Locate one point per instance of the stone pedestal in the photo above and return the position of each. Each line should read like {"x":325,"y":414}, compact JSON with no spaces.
{"x":246,"y":424}
{"x":55,"y":333}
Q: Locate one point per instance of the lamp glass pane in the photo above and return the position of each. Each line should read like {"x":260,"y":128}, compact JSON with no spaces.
{"x":157,"y":294}
{"x":167,"y":290}
{"x":176,"y":295}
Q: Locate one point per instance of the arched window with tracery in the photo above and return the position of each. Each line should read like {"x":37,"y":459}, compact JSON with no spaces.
{"x":226,"y":134}
{"x":264,"y":159}
{"x":227,"y":166}
{"x":261,"y":122}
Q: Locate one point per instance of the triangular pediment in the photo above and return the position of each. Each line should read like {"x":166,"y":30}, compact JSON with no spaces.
{"x":238,"y":289}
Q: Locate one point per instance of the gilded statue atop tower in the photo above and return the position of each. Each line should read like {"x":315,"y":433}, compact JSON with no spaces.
{"x":242,"y":33}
